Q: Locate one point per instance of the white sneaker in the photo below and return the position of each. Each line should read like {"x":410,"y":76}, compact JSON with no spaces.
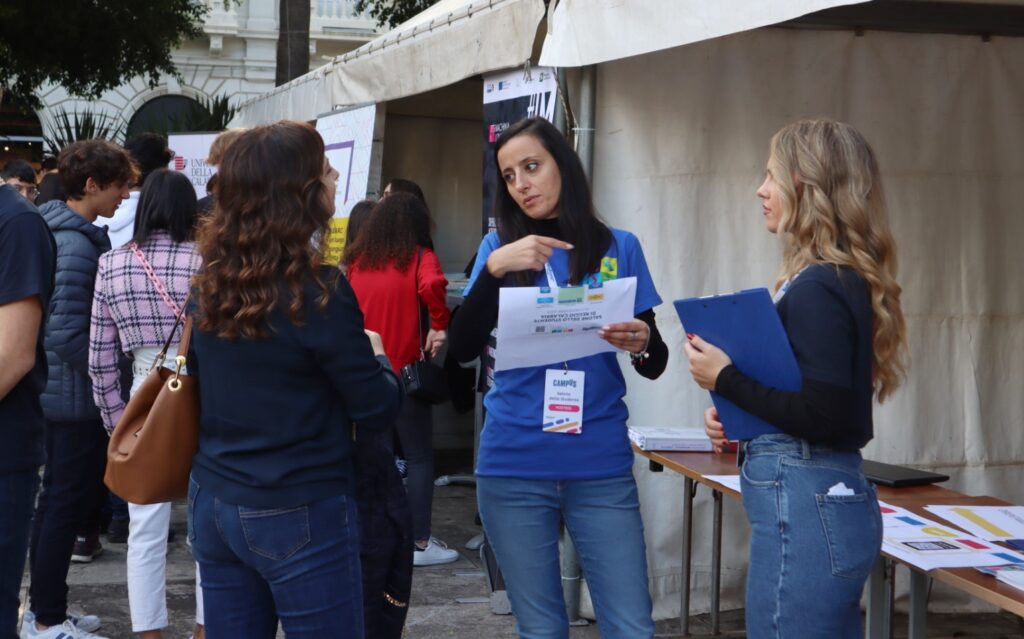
{"x":82,"y":621}
{"x":436,"y":553}
{"x":66,"y":630}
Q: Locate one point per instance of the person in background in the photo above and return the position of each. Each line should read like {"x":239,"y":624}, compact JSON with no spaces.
{"x":839,"y":302}
{"x":27,"y":264}
{"x":49,"y":182}
{"x":141,"y":289}
{"x":394,"y":275}
{"x":149,"y":152}
{"x":356,"y":219}
{"x":96,"y":175}
{"x":425,"y":225}
{"x":284,"y":369}
{"x":217,"y":149}
{"x":529,"y":479}
{"x":21,"y":175}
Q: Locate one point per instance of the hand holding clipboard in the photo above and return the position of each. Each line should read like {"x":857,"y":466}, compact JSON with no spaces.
{"x":747,"y":328}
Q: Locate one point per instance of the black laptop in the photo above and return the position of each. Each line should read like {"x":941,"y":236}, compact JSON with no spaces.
{"x":899,"y":476}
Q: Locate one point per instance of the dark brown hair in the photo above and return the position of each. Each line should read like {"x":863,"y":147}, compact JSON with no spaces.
{"x":272,"y":207}
{"x":389,"y":235}
{"x":577,"y":219}
{"x":103,"y":161}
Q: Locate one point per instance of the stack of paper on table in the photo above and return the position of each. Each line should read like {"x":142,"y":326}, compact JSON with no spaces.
{"x":669,"y":438}
{"x":927,"y":544}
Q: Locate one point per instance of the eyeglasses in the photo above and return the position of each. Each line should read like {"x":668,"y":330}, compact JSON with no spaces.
{"x":28,"y":191}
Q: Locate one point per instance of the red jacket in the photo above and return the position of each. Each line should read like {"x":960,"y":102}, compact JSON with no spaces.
{"x":390,"y":300}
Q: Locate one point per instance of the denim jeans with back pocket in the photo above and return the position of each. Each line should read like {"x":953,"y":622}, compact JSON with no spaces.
{"x":258,"y":565}
{"x":816,"y":532}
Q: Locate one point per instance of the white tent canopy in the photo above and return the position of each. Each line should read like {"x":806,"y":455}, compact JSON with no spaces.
{"x":451,"y":41}
{"x":583,"y":32}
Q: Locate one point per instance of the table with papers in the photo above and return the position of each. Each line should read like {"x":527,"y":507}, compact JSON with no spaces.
{"x":719,"y":473}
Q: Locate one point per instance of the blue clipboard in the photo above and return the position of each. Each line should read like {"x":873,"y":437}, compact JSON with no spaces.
{"x":747,"y":327}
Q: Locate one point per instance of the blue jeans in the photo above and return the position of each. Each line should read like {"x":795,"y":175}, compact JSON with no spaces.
{"x":810,"y":551}
{"x":521,"y":518}
{"x":298,"y":564}
{"x":17,"y":500}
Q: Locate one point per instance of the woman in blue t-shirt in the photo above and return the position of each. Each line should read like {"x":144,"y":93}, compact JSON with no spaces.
{"x":529,"y":479}
{"x":816,"y":527}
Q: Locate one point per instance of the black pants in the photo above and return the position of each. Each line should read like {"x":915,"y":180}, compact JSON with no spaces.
{"x":76,"y":456}
{"x":415,"y":427}
{"x":386,"y":544}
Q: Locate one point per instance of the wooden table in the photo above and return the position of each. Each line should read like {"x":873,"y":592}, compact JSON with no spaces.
{"x":695,"y":467}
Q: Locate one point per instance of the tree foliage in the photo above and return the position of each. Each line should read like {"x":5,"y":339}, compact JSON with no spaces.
{"x":90,"y":46}
{"x":392,"y":12}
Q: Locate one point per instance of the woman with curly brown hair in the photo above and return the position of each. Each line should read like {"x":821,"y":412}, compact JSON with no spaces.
{"x":816,"y":528}
{"x":284,"y":370}
{"x":395,"y":275}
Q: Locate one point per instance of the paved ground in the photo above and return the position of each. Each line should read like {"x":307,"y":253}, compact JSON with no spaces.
{"x":99,"y":588}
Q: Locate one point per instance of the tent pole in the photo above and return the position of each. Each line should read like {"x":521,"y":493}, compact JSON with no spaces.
{"x":585,"y":130}
{"x":570,"y":559}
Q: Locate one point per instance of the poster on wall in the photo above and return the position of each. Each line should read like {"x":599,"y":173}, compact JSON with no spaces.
{"x":190,"y":152}
{"x":510,"y":96}
{"x":349,"y":144}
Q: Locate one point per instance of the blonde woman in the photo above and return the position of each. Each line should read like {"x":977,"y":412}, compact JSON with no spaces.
{"x":816,"y":528}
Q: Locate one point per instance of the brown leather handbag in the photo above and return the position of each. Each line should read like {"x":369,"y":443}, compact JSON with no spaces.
{"x":150,"y":452}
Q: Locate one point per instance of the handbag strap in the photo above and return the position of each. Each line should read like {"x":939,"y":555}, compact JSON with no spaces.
{"x":186,"y":336}
{"x":419,"y":305}
{"x":151,"y":274}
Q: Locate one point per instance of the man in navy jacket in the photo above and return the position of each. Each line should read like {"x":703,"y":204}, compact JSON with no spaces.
{"x":96,"y":175}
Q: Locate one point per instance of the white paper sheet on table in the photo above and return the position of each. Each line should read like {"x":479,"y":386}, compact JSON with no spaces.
{"x":541,"y":326}
{"x":927,"y":544}
{"x":992,"y":523}
{"x":729,"y":481}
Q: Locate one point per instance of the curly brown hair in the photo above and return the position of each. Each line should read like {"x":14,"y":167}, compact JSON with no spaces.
{"x":389,"y":235}
{"x":273,"y":205}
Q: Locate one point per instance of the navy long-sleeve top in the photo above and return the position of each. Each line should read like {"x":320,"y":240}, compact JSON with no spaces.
{"x":828,"y":318}
{"x":278,"y":412}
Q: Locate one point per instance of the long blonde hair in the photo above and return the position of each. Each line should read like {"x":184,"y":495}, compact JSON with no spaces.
{"x":833,"y":212}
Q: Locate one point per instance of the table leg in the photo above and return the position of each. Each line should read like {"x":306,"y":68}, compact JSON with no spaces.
{"x":684,"y":604}
{"x":716,"y":560}
{"x":918,"y":605}
{"x":877,"y":601}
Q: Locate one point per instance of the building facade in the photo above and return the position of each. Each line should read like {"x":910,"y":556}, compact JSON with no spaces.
{"x":235,"y":57}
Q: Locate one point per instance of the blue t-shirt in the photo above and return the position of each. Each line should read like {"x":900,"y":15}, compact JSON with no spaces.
{"x":513,"y":443}
{"x":27,"y":264}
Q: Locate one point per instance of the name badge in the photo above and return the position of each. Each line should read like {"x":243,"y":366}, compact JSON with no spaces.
{"x":563,"y":402}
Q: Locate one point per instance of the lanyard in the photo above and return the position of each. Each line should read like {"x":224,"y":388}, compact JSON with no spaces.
{"x":785,"y":286}
{"x":552,"y":282}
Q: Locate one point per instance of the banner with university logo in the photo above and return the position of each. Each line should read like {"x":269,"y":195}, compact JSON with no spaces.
{"x":190,"y":152}
{"x":510,"y":96}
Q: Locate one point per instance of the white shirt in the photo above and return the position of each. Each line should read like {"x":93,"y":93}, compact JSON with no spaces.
{"x":121,"y":227}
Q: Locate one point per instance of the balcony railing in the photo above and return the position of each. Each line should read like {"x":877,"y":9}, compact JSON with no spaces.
{"x":326,"y":16}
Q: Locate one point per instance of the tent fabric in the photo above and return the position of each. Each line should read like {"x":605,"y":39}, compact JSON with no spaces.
{"x":450,"y":41}
{"x":681,"y":144}
{"x":583,"y":32}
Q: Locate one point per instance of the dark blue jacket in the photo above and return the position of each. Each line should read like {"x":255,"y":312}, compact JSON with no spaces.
{"x":68,"y":394}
